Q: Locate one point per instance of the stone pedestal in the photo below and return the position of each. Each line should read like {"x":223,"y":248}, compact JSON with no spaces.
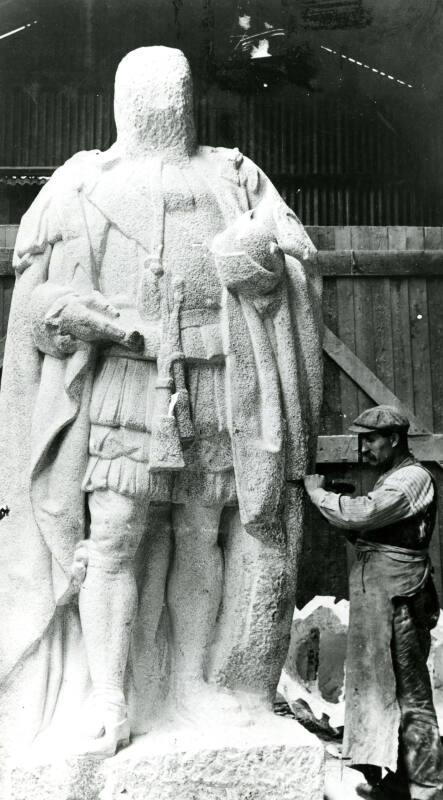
{"x":276,"y":759}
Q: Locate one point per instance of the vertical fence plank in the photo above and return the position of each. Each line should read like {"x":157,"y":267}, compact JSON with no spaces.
{"x":364,"y":338}
{"x":401,"y":341}
{"x":382,"y":326}
{"x":435,"y":306}
{"x":331,"y":414}
{"x":420,"y":347}
{"x":346,"y":332}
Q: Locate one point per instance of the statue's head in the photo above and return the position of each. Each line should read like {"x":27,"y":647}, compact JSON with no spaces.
{"x":153,"y":98}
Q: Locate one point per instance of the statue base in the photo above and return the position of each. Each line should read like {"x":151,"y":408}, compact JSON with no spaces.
{"x":274,"y":759}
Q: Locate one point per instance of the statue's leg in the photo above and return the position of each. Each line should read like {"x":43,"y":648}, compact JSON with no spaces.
{"x":108,"y":604}
{"x":148,"y":667}
{"x":254,"y":625}
{"x":194,"y":595}
{"x":194,"y":590}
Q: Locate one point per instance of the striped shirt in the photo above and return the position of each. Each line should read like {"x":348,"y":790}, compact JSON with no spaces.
{"x":398,"y":494}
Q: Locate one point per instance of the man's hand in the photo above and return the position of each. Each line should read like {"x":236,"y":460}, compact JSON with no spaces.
{"x":314,"y":482}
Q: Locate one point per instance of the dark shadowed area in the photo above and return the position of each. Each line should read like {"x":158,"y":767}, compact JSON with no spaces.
{"x":340,"y":101}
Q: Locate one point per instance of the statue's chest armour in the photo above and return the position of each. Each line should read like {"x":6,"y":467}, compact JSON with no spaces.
{"x":192,"y":219}
{"x":180,"y":212}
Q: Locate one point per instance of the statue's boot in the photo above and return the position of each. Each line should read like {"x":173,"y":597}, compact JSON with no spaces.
{"x":106,"y":728}
{"x":201,"y":703}
{"x":108,"y":604}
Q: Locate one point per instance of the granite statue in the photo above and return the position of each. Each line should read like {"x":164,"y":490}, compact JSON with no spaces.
{"x":160,"y":401}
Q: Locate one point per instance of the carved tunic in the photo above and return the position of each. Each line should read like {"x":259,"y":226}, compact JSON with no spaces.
{"x":124,"y":388}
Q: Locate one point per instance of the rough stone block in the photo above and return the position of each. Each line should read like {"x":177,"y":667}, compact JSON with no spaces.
{"x":276,"y":759}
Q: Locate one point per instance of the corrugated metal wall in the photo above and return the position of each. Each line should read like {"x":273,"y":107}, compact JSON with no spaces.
{"x":47,"y":129}
{"x":334,"y":165}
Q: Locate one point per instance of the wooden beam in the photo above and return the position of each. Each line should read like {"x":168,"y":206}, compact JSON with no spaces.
{"x":344,"y":263}
{"x":366,"y":379}
{"x":337,"y":449}
{"x":370,"y":263}
{"x":344,"y":449}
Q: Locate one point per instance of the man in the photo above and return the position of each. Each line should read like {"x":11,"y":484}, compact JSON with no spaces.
{"x":160,"y":333}
{"x":393,"y":606}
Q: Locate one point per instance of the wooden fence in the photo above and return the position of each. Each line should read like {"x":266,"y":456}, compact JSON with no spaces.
{"x":383,"y":301}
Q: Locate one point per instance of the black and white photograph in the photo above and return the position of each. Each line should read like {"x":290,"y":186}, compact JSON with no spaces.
{"x":221,"y":399}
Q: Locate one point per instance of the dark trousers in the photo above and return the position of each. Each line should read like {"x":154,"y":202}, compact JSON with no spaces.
{"x":420,"y":762}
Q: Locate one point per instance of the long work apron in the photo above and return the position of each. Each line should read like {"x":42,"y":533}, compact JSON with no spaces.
{"x":388,"y":690}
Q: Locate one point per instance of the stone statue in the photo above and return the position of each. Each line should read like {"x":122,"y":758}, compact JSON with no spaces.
{"x":162,"y":384}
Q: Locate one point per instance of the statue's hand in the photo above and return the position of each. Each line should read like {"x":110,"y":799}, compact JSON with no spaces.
{"x":248,"y":257}
{"x":65,"y":343}
{"x":89,"y":318}
{"x":313,"y":482}
{"x":96,"y":301}
{"x":79,"y":565}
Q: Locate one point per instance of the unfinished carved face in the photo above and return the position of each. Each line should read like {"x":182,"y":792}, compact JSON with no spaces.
{"x":153,"y":101}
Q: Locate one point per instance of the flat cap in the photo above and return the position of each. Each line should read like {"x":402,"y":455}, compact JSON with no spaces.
{"x":380,"y":418}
